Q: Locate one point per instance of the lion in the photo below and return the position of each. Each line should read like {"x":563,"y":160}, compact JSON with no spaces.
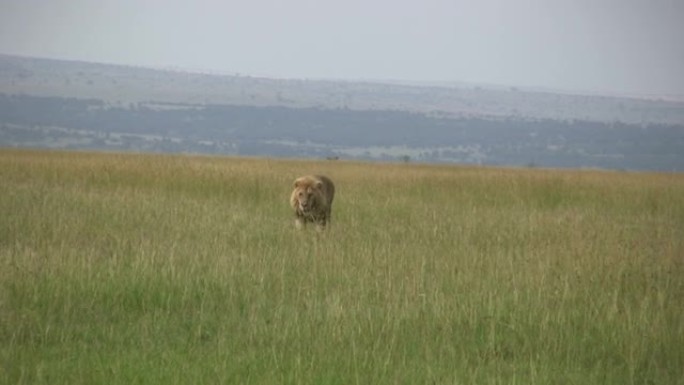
{"x":311,"y":200}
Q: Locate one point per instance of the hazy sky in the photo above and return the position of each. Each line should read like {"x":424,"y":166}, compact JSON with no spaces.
{"x":617,"y":46}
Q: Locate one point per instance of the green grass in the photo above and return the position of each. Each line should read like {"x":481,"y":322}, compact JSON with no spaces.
{"x":169,"y":269}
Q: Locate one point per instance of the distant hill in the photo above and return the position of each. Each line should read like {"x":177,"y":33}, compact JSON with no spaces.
{"x":122,"y":85}
{"x":66,"y":104}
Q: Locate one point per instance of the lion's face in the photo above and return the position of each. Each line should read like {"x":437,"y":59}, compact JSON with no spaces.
{"x":307,"y":196}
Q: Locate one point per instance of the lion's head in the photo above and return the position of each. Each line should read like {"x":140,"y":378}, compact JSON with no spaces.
{"x":307,"y":194}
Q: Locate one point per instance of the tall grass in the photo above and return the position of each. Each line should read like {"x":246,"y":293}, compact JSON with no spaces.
{"x":175,"y":269}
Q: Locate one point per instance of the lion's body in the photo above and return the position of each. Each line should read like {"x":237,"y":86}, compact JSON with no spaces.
{"x":312,"y":199}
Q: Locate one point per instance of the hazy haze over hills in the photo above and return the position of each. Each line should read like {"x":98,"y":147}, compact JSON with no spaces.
{"x":629,"y":47}
{"x":79,"y":105}
{"x":123,"y":85}
{"x":566,"y":83}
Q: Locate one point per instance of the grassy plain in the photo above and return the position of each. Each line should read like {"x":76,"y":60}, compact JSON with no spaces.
{"x":143,"y":269}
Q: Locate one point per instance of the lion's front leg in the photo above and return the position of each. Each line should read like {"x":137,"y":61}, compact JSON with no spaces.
{"x":300,"y":222}
{"x":321,"y":223}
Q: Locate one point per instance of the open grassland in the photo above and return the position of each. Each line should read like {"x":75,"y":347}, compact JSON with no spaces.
{"x":125,"y":269}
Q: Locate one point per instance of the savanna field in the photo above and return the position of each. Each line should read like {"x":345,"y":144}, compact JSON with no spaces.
{"x":153,"y":269}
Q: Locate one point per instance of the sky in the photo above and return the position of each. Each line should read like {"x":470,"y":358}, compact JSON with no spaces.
{"x":633,"y":47}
